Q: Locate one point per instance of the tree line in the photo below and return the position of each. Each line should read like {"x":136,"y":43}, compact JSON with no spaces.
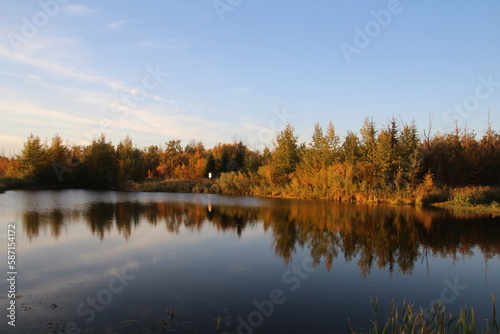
{"x":103,"y":165}
{"x":394,"y":160}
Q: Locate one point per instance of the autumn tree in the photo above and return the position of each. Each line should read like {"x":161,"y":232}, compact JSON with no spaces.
{"x":333,"y":142}
{"x":368,"y":143}
{"x":386,"y":157}
{"x":229,"y":157}
{"x":285,"y":156}
{"x":410,"y":156}
{"x":317,"y":154}
{"x":57,"y":151}
{"x":210,"y":166}
{"x":151,"y":157}
{"x":171,"y":158}
{"x":470,"y":168}
{"x":4,"y":165}
{"x":253,"y":160}
{"x":196,"y":164}
{"x":489,"y":147}
{"x":130,"y":161}
{"x":222,"y":154}
{"x":34,"y":155}
{"x":376,"y":164}
{"x":101,"y":164}
{"x":351,"y":149}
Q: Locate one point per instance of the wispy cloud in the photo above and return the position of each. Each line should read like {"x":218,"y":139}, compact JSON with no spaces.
{"x":117,"y":25}
{"x":157,"y":117}
{"x":258,"y":135}
{"x":60,"y":69}
{"x":11,"y":141}
{"x":42,"y":60}
{"x":25,"y":112}
{"x":78,"y":10}
{"x":154,"y":120}
{"x":21,"y":76}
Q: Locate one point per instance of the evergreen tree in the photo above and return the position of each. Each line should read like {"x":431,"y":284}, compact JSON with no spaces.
{"x":317,"y":154}
{"x":368,"y":143}
{"x":286,"y":153}
{"x":239,"y":154}
{"x":253,"y":160}
{"x":210,"y":165}
{"x":58,"y":152}
{"x":34,"y":155}
{"x":223,"y":161}
{"x":410,"y":156}
{"x":101,"y":162}
{"x":333,"y":142}
{"x":151,"y":157}
{"x":386,"y":153}
{"x":351,"y":150}
{"x":131,"y":162}
{"x":490,"y":157}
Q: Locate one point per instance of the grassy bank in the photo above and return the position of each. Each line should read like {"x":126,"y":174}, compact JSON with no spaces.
{"x":177,"y":186}
{"x":478,"y":199}
{"x":472,"y":198}
{"x":492,"y":209}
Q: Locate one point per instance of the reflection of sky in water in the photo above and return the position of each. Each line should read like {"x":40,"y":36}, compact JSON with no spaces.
{"x":205,"y":266}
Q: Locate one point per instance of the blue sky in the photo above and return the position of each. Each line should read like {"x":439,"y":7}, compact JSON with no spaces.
{"x":226,"y":69}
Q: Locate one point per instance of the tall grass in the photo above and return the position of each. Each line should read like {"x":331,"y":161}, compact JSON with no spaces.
{"x":406,"y":319}
{"x":473,"y":198}
{"x":475,"y":195}
{"x":177,"y":186}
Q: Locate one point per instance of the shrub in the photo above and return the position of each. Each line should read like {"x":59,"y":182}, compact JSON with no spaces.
{"x":8,"y":183}
{"x":475,"y":195}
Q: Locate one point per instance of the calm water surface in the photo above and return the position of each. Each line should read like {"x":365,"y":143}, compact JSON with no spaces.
{"x":122,"y":262}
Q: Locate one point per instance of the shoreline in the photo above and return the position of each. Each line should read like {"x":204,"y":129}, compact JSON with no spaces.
{"x":476,"y":199}
{"x":492,"y":209}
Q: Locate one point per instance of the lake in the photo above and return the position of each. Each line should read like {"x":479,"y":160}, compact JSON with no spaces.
{"x":147,"y":262}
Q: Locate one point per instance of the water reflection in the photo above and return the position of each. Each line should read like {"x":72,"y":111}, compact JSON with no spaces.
{"x":389,"y":237}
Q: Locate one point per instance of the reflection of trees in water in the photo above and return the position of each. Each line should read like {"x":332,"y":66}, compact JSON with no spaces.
{"x":380,"y":234}
{"x":35,"y":221}
{"x":389,"y":237}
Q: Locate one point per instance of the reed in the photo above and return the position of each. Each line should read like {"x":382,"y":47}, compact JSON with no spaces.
{"x":406,"y":319}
